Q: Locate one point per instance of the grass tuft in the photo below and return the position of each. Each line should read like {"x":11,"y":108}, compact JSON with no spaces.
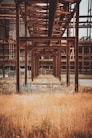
{"x":46,"y":115}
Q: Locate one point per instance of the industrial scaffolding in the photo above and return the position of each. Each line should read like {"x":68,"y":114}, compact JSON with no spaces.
{"x":44,"y":32}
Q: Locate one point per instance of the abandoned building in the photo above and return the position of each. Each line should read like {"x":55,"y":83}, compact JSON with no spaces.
{"x":42,"y":36}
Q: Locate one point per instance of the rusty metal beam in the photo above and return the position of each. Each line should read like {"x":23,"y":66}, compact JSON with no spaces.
{"x":36,"y":66}
{"x":3,"y":63}
{"x":70,"y":17}
{"x":54,"y":65}
{"x":32,"y":67}
{"x":26,"y":46}
{"x":52,"y":12}
{"x":76,"y":48}
{"x":17,"y":49}
{"x":59,"y":63}
{"x":44,"y":47}
{"x":67,"y":52}
{"x":67,"y":63}
{"x":45,"y":38}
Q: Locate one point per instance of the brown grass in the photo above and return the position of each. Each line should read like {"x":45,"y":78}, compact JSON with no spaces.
{"x":51,"y":115}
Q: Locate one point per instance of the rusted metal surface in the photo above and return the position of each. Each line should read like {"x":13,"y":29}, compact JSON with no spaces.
{"x":17,"y":49}
{"x":25,"y":46}
{"x":68,"y":64}
{"x":39,"y":38}
{"x":76,"y":49}
{"x":68,"y":53}
{"x":45,"y":24}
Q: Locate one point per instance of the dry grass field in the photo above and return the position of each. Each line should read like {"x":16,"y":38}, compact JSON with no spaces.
{"x":46,"y":115}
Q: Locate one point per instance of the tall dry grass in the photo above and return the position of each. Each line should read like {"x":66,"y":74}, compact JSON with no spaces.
{"x":49,"y":115}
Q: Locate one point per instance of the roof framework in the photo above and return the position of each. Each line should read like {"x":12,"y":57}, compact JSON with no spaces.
{"x":45,"y":19}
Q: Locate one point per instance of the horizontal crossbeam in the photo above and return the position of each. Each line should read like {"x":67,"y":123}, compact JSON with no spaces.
{"x":45,"y":38}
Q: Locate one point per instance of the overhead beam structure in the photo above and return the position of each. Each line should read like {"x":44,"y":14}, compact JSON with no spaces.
{"x":45,"y":38}
{"x":52,"y":12}
{"x":43,"y":30}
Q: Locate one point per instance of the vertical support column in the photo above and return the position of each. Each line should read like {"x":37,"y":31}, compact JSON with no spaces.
{"x":59,"y":60}
{"x":17,"y":48}
{"x":67,"y":69}
{"x":37,"y":65}
{"x":3,"y":65}
{"x":25,"y":46}
{"x":83,"y":59}
{"x":89,"y":59}
{"x":32,"y":66}
{"x":54,"y":62}
{"x":67,"y":52}
{"x":76,"y":48}
{"x":58,"y":63}
{"x":53,"y":67}
{"x":34,"y":62}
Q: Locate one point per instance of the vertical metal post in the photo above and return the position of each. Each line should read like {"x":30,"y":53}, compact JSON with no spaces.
{"x":53,"y":66}
{"x":58,"y":63}
{"x":32,"y":66}
{"x":3,"y":64}
{"x":35,"y":66}
{"x":35,"y":62}
{"x":89,"y":19}
{"x":67,"y":53}
{"x":89,"y":59}
{"x":17,"y":48}
{"x":76,"y":48}
{"x":25,"y":46}
{"x":90,"y":10}
{"x":38,"y":67}
{"x":83,"y":59}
